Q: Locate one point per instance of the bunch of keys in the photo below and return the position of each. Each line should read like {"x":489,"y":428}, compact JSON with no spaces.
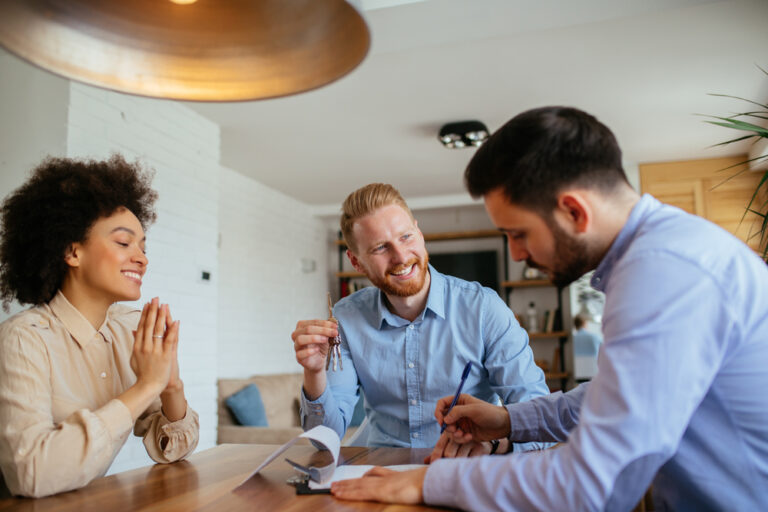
{"x":334,"y":344}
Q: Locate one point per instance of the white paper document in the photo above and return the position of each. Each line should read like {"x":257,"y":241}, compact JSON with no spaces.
{"x":323,"y":477}
{"x":354,"y":471}
{"x":322,"y":435}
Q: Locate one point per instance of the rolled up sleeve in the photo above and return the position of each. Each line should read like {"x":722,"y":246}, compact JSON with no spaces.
{"x":168,"y":441}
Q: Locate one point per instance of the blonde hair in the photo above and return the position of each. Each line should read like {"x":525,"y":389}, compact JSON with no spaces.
{"x":365,"y":201}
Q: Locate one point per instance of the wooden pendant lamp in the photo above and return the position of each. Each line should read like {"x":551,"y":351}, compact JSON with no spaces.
{"x":204,"y":50}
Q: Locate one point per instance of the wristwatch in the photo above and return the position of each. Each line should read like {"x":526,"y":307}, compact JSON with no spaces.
{"x":494,"y":445}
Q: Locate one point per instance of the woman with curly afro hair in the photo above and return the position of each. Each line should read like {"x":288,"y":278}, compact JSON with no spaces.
{"x":77,"y":370}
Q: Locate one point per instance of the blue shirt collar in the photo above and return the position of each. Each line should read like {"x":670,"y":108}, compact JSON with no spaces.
{"x":641,"y":210}
{"x":435,"y":302}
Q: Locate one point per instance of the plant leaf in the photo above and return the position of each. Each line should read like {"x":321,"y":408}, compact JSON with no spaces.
{"x":739,"y":98}
{"x":740,"y":125}
{"x":732,"y":141}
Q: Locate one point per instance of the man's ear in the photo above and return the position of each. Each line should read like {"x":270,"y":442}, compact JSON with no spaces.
{"x":574,"y":208}
{"x":354,"y":261}
{"x":72,"y":255}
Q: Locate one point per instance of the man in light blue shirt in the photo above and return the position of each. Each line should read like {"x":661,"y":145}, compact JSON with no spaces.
{"x":406,"y":340}
{"x":678,"y":398}
{"x":586,"y":345}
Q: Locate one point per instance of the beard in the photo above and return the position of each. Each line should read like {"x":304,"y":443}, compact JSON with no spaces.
{"x":573,"y":258}
{"x":390,"y":286}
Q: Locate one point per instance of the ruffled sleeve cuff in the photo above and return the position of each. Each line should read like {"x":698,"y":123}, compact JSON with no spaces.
{"x":168,"y":441}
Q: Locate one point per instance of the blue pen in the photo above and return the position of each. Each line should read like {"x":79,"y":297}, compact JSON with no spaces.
{"x":464,"y":376}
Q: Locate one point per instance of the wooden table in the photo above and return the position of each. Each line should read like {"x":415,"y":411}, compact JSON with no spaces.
{"x":209,"y":481}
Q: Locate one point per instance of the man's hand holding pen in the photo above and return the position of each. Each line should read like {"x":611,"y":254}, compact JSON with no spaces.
{"x":472,"y":419}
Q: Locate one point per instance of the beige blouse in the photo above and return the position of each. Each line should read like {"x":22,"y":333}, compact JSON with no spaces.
{"x":60,"y":423}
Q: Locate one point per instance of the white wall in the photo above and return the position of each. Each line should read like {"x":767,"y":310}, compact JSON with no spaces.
{"x":263,"y":289}
{"x":33,"y":123}
{"x":33,"y":114}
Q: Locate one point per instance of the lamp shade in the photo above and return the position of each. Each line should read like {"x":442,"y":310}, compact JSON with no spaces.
{"x":207,"y":50}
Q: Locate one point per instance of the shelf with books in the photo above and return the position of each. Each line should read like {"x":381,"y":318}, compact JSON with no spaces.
{"x":547,"y":335}
{"x":550,"y":326}
{"x":526,"y":283}
{"x":349,"y":274}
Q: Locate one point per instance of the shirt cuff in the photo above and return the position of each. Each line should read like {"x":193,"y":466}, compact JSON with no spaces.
{"x":523,"y":421}
{"x":313,"y":411}
{"x":439,"y":483}
{"x":176,"y":439}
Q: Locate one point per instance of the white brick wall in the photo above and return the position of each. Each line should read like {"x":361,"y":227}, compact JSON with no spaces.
{"x":183,"y":148}
{"x":262,"y":289}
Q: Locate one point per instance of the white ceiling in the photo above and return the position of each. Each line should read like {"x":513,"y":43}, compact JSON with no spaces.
{"x":644,"y":67}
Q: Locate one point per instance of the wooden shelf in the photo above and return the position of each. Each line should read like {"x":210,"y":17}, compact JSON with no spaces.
{"x":543,"y":335}
{"x":555,"y":375}
{"x":527,"y":283}
{"x":349,"y":274}
{"x":452,"y":235}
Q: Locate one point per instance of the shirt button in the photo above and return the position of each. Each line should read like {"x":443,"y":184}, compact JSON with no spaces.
{"x":410,"y":365}
{"x":103,"y":375}
{"x":410,"y":326}
{"x":416,"y":435}
{"x":413,"y":402}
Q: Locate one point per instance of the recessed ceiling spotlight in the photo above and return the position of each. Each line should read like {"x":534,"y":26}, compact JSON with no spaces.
{"x":463,"y":134}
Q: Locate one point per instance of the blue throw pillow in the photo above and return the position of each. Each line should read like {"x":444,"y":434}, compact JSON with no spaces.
{"x":247,"y":407}
{"x":359,"y":415}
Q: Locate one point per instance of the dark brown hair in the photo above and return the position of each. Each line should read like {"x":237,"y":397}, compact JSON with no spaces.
{"x":539,"y":152}
{"x":55,"y":208}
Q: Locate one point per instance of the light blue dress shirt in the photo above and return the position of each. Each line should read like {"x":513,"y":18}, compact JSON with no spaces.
{"x":404,"y":367}
{"x":586,"y":343}
{"x":679,"y":399}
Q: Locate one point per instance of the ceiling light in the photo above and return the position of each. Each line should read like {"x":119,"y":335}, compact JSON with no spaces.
{"x":462,"y":134}
{"x":215,"y":50}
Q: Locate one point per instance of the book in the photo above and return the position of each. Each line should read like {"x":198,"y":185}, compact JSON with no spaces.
{"x":551,"y":314}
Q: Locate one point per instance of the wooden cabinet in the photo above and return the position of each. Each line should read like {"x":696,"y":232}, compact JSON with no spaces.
{"x":717,"y":189}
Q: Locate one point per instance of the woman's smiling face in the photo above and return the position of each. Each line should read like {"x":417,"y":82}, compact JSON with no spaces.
{"x":111,"y":262}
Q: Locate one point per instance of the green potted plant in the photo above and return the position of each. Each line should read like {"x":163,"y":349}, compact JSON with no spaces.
{"x":754,"y":123}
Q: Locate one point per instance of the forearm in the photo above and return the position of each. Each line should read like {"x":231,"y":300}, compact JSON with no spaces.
{"x":174,"y":402}
{"x":314,"y":383}
{"x":139,"y":397}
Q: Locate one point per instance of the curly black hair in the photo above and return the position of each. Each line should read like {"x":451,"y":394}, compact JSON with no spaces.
{"x":55,"y":208}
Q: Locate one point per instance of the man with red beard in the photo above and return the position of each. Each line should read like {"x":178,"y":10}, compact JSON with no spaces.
{"x":405,"y":342}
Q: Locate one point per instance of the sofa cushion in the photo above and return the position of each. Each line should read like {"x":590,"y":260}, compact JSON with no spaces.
{"x":359,"y":414}
{"x":247,"y":407}
{"x":279,"y":393}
